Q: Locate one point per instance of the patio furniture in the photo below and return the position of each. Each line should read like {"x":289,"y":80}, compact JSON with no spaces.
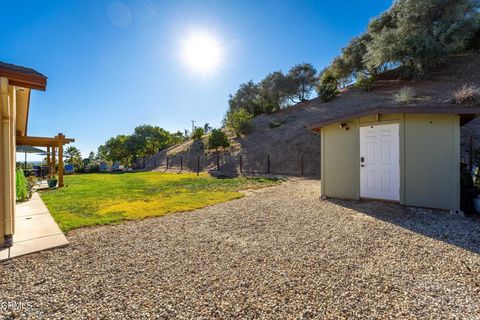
{"x":37,"y":171}
{"x":69,"y":169}
{"x":116,"y":166}
{"x":44,"y":172}
{"x":41,"y":171}
{"x":28,"y":172}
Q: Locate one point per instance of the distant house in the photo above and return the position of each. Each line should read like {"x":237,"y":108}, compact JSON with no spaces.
{"x":15,"y":85}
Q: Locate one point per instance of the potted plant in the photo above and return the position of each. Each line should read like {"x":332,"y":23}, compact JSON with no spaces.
{"x":52,"y":181}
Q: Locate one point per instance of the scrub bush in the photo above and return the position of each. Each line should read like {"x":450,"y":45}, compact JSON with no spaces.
{"x":218,"y":139}
{"x":239,"y":120}
{"x":327,"y":92}
{"x":327,"y":89}
{"x":198,"y":133}
{"x":405,"y":95}
{"x":468,"y":94}
{"x":275,"y":124}
{"x":364,"y":82}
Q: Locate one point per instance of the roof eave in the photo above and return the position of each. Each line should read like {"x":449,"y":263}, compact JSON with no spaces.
{"x":20,"y":79}
{"x":467,"y":113}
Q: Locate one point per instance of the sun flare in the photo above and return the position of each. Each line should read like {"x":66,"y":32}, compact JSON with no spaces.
{"x":201,"y":52}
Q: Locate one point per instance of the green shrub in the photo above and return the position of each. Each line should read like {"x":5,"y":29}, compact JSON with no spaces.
{"x":218,"y":139}
{"x":327,"y":92}
{"x":328,"y":77}
{"x":327,"y":89}
{"x":239,"y":120}
{"x":269,"y":108}
{"x":364,"y":82}
{"x":198,"y":133}
{"x":405,"y":95}
{"x":275,"y":124}
{"x":22,"y":186}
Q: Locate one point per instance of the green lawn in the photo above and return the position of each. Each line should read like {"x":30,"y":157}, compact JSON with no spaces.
{"x":92,"y":199}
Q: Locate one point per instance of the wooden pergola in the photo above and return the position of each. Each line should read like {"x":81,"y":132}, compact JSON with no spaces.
{"x":52,"y":145}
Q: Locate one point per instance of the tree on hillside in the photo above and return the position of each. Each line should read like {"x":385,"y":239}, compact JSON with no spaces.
{"x":247,"y":98}
{"x":415,"y":35}
{"x":218,"y":139}
{"x":198,"y":133}
{"x":178,"y":137}
{"x":423,"y":33}
{"x":239,"y":120}
{"x":351,"y":61}
{"x":327,"y":88}
{"x":302,"y":79}
{"x":274,"y":91}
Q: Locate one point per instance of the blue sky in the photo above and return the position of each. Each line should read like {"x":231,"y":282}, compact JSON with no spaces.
{"x":113,"y":65}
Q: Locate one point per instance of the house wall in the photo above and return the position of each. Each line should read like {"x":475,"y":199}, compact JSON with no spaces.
{"x":339,"y":162}
{"x":22,"y":103}
{"x":3,"y":92}
{"x":429,"y":159}
{"x":8,"y":98}
{"x":432,"y":161}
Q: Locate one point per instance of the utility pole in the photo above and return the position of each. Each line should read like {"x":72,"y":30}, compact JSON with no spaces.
{"x":193,"y":125}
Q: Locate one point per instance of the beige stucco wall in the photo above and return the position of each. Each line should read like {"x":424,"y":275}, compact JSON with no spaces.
{"x":3,"y":100}
{"x":22,"y":103}
{"x":8,"y":108}
{"x":429,"y":159}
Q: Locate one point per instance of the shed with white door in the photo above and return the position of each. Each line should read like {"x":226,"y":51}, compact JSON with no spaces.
{"x":409,"y":155}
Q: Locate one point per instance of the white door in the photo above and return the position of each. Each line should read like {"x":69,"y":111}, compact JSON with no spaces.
{"x":380,"y":162}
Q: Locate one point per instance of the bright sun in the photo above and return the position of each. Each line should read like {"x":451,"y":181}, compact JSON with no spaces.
{"x":201,"y":52}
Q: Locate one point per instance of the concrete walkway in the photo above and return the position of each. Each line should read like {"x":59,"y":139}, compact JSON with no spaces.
{"x":35,"y":230}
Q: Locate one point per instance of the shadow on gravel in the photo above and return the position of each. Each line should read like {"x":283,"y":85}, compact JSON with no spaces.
{"x":455,"y":229}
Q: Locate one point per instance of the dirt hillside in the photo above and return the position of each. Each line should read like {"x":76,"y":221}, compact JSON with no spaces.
{"x":285,"y":132}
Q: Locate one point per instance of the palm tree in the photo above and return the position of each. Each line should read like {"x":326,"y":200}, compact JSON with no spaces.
{"x":71,"y":153}
{"x":207,"y":128}
{"x":73,"y":156}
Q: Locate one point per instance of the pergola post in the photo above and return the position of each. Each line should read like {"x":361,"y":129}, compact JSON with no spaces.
{"x":56,"y":145}
{"x":60,"y":160}
{"x":54,"y":161}
{"x":49,"y":164}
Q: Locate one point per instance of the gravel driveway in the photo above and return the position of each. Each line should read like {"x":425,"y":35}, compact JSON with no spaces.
{"x":278,"y":253}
